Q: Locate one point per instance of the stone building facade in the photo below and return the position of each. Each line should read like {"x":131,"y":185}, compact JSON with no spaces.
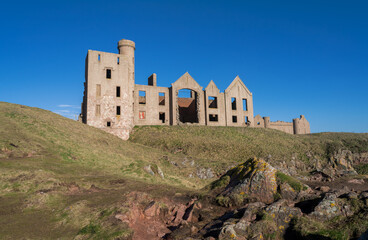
{"x":113,"y":102}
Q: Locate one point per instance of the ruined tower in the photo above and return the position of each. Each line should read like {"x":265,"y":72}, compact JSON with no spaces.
{"x":108,"y":96}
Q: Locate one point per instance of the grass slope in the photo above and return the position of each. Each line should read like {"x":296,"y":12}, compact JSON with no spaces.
{"x":62,"y":179}
{"x":220,"y":147}
{"x":58,"y":177}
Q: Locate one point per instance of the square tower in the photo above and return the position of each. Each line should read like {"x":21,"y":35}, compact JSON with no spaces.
{"x":108,"y":95}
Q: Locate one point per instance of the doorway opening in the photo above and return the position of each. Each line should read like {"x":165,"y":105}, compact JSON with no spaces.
{"x":187,"y":106}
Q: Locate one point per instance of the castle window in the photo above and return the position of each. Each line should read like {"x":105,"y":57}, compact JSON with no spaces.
{"x":142,"y":115}
{"x":212,"y":102}
{"x":98,"y":110}
{"x":162,"y":117}
{"x":258,"y":123}
{"x":233,"y":103}
{"x":142,"y":97}
{"x":108,"y":124}
{"x":246,"y":119}
{"x":118,"y":110}
{"x":245,"y":104}
{"x":99,"y":57}
{"x":213,"y":118}
{"x":235,"y":119}
{"x":117,"y":91}
{"x":118,"y":61}
{"x":108,"y":73}
{"x":161,"y":98}
{"x":98,"y":90}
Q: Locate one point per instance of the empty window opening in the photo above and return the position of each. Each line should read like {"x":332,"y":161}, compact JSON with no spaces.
{"x":162,"y":117}
{"x":118,"y":110}
{"x":212,"y":102}
{"x":117,"y":91}
{"x":258,"y":123}
{"x":233,"y":103}
{"x":118,"y":61}
{"x":246,"y":119}
{"x":142,"y":97}
{"x":161,"y":98}
{"x":108,"y":124}
{"x":108,"y":73}
{"x":187,"y":105}
{"x":213,"y":118}
{"x":98,"y":110}
{"x":235,"y":119}
{"x":142,"y":115}
{"x":99,"y":57}
{"x":98,"y":90}
{"x":245,"y":104}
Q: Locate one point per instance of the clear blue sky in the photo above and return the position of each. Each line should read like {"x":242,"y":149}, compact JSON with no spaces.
{"x":297,"y":57}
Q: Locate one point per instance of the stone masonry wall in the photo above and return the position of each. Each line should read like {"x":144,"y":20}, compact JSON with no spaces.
{"x":112,"y":100}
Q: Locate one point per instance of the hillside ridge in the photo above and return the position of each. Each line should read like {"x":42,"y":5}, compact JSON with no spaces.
{"x":84,"y":183}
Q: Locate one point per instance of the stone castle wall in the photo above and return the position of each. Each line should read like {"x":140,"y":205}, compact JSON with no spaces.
{"x":113,"y":102}
{"x":297,"y":126}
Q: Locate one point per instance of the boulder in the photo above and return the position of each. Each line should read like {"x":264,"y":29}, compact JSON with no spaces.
{"x":282,"y":214}
{"x":287,"y":191}
{"x":331,"y":206}
{"x":272,"y":220}
{"x":356,"y":181}
{"x":148,"y":169}
{"x":205,"y":173}
{"x":327,"y":208}
{"x":251,"y":211}
{"x":160,"y":172}
{"x":324,"y":189}
{"x":255,"y":180}
{"x":340,"y":163}
{"x":363,"y":195}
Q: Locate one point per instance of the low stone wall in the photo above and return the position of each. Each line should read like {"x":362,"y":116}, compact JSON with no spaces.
{"x":282,"y":126}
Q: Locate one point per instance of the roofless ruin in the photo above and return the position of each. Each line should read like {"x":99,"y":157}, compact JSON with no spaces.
{"x":113,"y":102}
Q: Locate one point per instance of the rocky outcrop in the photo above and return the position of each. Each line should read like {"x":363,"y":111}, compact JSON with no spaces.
{"x":254,"y":180}
{"x":331,"y":206}
{"x":260,"y":221}
{"x":341,"y":163}
{"x":281,"y":213}
{"x":157,"y":218}
{"x":152,"y":170}
{"x":205,"y":173}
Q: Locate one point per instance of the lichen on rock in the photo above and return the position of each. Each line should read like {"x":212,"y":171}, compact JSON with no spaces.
{"x":254,"y":180}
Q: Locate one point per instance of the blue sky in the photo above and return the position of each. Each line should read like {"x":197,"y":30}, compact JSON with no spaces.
{"x":296,"y":57}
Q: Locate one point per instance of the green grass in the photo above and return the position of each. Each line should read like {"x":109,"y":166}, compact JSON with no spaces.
{"x":362,"y":169}
{"x":221,"y":147}
{"x":221,"y":182}
{"x":295,"y":184}
{"x":43,"y":155}
{"x":340,"y":229}
{"x":90,"y":229}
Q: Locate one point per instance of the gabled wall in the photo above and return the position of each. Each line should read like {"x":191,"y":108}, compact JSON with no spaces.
{"x":187,"y":82}
{"x":239,"y":91}
{"x":212,"y":91}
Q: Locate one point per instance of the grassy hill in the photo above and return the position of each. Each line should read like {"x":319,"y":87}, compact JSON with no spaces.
{"x":221,"y":147}
{"x":60,"y":178}
{"x":50,"y":164}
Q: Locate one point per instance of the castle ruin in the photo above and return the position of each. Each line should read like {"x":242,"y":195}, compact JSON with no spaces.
{"x":113,"y":102}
